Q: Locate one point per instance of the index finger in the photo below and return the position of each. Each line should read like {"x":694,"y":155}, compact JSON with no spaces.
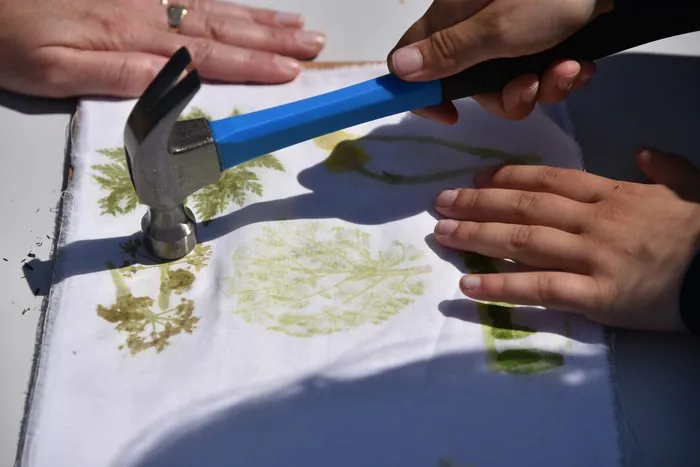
{"x":571,"y":183}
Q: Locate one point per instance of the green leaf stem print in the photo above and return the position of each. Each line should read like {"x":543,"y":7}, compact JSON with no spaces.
{"x":497,"y":324}
{"x":292,"y":268}
{"x":147,"y":322}
{"x":235,"y":186}
{"x":348,"y":155}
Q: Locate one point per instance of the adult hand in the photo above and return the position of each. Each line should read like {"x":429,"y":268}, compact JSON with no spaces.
{"x":454,"y":35}
{"x":613,"y":251}
{"x":61,"y":48}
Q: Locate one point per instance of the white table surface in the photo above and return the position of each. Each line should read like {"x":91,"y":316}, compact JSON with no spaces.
{"x":658,"y":376}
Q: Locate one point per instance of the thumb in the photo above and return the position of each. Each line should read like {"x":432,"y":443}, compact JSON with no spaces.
{"x":445,"y":52}
{"x":668,"y":169}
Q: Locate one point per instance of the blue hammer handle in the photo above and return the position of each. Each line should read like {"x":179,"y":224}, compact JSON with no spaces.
{"x":245,"y":137}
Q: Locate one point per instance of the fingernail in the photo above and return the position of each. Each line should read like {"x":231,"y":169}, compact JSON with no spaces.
{"x":407,"y":61}
{"x":647,"y":152}
{"x":483,"y":175}
{"x":311,"y":39}
{"x":565,"y":83}
{"x":583,"y":78}
{"x":529,"y":96}
{"x":446,"y":198}
{"x":287,"y":65}
{"x":471,"y":282}
{"x":289,"y":19}
{"x":446,"y":227}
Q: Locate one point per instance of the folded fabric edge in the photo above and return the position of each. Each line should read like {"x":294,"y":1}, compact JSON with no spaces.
{"x":47,"y":314}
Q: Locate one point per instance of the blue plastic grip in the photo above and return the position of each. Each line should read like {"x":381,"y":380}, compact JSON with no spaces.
{"x":245,"y":137}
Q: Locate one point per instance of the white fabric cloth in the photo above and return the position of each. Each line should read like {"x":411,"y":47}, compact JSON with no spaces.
{"x":327,"y":328}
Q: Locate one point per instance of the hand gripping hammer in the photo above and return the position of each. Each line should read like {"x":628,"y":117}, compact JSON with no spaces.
{"x":169,"y":160}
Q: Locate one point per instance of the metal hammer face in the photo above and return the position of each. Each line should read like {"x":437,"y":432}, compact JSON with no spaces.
{"x":169,"y":160}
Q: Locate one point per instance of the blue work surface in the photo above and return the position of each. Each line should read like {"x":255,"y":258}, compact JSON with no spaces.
{"x":647,"y":99}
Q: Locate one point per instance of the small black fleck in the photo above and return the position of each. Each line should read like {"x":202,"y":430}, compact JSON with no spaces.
{"x":75,"y":353}
{"x":38,"y":209}
{"x":23,"y":260}
{"x":39,"y":243}
{"x":25,"y":310}
{"x":5,"y":259}
{"x":48,"y":237}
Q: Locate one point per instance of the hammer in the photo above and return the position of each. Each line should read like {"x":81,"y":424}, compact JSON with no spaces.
{"x":169,"y":160}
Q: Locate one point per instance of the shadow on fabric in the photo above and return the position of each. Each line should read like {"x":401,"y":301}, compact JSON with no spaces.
{"x":346,"y":196}
{"x":447,"y":411}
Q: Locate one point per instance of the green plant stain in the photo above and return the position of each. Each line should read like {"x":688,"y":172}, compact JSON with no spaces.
{"x":497,"y":325}
{"x":347,"y":155}
{"x":478,"y":264}
{"x":235,"y":185}
{"x":145,"y":326}
{"x":526,"y":361}
{"x":499,"y":319}
{"x":515,"y":361}
{"x":290,"y":269}
{"x":177,"y":281}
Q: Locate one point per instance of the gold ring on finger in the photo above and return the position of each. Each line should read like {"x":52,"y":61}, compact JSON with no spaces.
{"x":175,"y":15}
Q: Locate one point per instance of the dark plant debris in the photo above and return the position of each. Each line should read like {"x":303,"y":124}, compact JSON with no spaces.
{"x":24,"y":311}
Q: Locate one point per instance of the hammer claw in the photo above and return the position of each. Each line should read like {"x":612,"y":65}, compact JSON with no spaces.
{"x":165,"y":98}
{"x":166,"y":78}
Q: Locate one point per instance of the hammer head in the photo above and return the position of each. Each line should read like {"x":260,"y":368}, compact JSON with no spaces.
{"x":169,"y":160}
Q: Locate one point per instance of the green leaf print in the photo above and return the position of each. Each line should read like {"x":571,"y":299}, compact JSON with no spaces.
{"x":147,"y":327}
{"x":113,"y":177}
{"x":235,"y":186}
{"x":291,"y":269}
